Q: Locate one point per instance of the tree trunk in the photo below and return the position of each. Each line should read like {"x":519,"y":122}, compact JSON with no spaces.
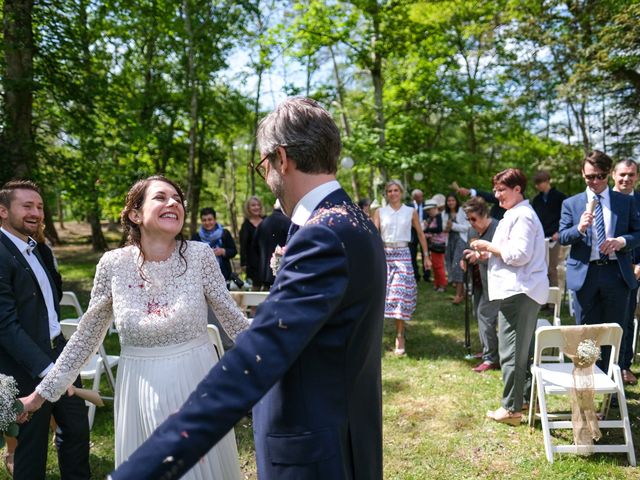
{"x":98,"y":242}
{"x":378,"y":85}
{"x":49,"y":227}
{"x":193,"y":114}
{"x":254,"y":139}
{"x":17,"y":141}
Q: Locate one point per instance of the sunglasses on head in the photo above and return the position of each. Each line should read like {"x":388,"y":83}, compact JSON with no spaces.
{"x":592,"y":176}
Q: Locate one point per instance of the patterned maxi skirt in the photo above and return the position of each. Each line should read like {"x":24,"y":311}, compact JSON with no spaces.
{"x":400,"y":301}
{"x":153,"y":383}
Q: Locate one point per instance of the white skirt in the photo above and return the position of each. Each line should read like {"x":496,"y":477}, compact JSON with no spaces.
{"x":153,"y":383}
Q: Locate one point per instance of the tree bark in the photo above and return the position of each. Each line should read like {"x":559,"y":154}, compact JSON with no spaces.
{"x":18,"y":142}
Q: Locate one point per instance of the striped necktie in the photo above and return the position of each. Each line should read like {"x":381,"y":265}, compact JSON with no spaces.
{"x":600,"y":230}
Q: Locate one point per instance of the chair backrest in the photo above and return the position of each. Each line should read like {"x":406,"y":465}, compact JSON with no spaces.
{"x":249,"y":299}
{"x":69,"y":299}
{"x":553,"y":337}
{"x":216,"y":339}
{"x":555,"y":297}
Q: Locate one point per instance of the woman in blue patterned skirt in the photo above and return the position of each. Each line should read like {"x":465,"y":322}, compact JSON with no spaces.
{"x":394,"y":222}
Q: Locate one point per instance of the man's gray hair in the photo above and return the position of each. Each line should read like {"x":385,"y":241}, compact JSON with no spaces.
{"x":306,"y":131}
{"x":416,"y":191}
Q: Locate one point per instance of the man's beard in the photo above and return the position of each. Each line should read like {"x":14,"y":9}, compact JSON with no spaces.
{"x":276,"y":184}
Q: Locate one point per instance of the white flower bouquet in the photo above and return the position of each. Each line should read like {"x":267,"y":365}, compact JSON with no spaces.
{"x":588,"y":352}
{"x":276,"y":259}
{"x":10,"y":407}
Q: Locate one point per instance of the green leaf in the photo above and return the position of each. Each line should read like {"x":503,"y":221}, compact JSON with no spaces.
{"x":18,"y":406}
{"x":13,"y":430}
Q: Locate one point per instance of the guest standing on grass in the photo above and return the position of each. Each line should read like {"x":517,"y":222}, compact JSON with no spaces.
{"x":248,"y":256}
{"x":483,"y":227}
{"x":456,"y":226}
{"x":625,"y":176}
{"x":156,"y":289}
{"x":518,"y":279}
{"x":395,"y":222}
{"x":31,"y":339}
{"x":437,"y":244}
{"x":218,"y":238}
{"x":310,"y":363}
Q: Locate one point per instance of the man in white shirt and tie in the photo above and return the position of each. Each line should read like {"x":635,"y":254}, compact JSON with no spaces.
{"x":30,"y":339}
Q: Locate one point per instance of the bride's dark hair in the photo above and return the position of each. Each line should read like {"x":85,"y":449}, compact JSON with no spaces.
{"x":135,"y":200}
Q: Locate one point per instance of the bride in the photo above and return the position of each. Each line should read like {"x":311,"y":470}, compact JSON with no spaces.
{"x":156,"y":289}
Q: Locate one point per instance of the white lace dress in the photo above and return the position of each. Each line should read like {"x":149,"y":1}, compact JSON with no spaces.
{"x":161,"y":318}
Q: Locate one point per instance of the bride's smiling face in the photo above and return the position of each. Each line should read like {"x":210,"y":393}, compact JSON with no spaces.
{"x":162,"y":211}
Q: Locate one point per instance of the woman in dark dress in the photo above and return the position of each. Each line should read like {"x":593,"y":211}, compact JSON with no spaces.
{"x":248,"y":259}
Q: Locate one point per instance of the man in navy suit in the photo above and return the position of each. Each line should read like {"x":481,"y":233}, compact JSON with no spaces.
{"x":599,"y":265}
{"x":30,"y":339}
{"x":310,"y":363}
{"x":625,"y":176}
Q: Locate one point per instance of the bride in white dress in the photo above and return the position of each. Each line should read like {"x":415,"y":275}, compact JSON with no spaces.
{"x":157,"y":290}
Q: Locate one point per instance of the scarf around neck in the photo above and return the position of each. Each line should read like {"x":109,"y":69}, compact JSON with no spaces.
{"x":212,"y":237}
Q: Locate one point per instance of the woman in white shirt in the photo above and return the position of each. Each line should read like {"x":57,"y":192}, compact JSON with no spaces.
{"x":518,"y":278}
{"x":394,"y":222}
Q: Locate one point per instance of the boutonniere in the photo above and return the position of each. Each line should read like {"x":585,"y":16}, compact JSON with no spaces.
{"x":276,"y":259}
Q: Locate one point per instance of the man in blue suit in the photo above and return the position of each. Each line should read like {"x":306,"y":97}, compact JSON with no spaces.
{"x":310,"y":363}
{"x":602,"y":239}
{"x":625,"y":176}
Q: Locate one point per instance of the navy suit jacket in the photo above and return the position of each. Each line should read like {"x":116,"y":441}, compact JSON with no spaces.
{"x":310,"y":363}
{"x":25,"y":346}
{"x":626,"y":223}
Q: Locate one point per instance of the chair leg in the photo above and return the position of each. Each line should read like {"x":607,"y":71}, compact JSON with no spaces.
{"x":532,"y":402}
{"x":546,"y":433}
{"x":624,"y":415}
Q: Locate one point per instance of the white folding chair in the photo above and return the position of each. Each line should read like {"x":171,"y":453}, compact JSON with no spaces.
{"x":214,"y":336}
{"x":555,"y":297}
{"x":247,"y":301}
{"x":98,"y":363}
{"x":557,"y":379}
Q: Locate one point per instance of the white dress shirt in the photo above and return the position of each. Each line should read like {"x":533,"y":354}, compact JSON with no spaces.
{"x":605,"y":200}
{"x":521,"y":266}
{"x":307,"y":204}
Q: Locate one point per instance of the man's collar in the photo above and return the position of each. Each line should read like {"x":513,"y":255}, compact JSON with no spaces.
{"x":307,"y":204}
{"x":20,"y":244}
{"x":604,"y":194}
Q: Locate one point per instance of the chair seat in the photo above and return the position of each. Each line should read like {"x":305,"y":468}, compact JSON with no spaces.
{"x":557,"y":378}
{"x":91,"y":367}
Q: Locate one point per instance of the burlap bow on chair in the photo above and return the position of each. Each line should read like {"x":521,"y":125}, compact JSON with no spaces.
{"x":583,"y":348}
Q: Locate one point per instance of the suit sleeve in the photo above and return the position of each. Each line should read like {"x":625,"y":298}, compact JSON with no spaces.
{"x":91,"y":331}
{"x":633,"y":237}
{"x":13,"y":338}
{"x":569,"y":233}
{"x":307,"y":290}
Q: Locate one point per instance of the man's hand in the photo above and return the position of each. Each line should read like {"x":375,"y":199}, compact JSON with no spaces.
{"x":611,"y":245}
{"x":586,"y":219}
{"x":32,"y":403}
{"x":465,"y":192}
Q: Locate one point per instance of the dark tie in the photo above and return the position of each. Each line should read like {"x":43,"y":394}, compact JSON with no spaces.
{"x":293,"y":228}
{"x":600,"y":230}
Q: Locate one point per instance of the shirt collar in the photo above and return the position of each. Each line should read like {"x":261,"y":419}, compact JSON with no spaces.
{"x":307,"y":204}
{"x":604,"y":194}
{"x":24,"y":247}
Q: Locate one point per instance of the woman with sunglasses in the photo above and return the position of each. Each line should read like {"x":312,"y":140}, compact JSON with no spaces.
{"x":518,"y":279}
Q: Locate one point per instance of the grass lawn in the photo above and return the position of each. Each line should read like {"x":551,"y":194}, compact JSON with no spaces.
{"x":434,"y":405}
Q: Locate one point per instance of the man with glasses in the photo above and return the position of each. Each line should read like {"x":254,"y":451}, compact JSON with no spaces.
{"x":603,"y":227}
{"x":310,"y":363}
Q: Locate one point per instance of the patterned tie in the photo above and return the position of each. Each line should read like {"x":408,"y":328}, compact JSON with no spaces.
{"x":293,"y":228}
{"x":31,"y":245}
{"x":600,"y":230}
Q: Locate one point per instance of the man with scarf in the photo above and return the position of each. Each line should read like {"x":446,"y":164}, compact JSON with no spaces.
{"x":218,"y":238}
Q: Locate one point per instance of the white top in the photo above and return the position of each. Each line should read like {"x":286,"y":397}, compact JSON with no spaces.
{"x":166,"y":305}
{"x":43,"y":280}
{"x":522,"y":266}
{"x":395,"y":225}
{"x":461,"y":225}
{"x":307,"y":204}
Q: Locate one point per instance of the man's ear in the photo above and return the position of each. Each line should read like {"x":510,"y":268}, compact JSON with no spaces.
{"x":285,"y":161}
{"x":4,"y":212}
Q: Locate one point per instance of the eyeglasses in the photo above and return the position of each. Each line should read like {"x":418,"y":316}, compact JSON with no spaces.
{"x":261,"y":168}
{"x":592,"y":176}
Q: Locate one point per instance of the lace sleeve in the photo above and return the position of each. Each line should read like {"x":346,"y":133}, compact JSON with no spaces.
{"x":85,"y":341}
{"x":215,"y":290}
